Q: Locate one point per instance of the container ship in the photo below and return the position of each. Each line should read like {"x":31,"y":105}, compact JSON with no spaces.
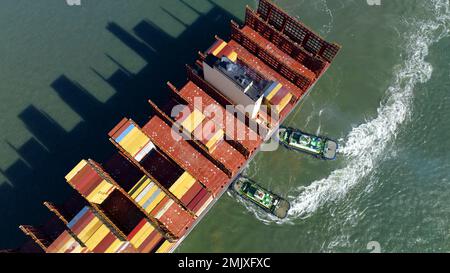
{"x":170,"y":171}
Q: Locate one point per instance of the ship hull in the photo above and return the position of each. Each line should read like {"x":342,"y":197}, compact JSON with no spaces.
{"x":173,"y":183}
{"x":328,"y":153}
{"x":271,"y":135}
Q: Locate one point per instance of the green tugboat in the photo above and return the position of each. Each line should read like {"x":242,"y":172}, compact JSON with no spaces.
{"x":263,"y":198}
{"x":317,"y":146}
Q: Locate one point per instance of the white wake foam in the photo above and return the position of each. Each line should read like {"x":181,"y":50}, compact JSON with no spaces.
{"x":365,"y":144}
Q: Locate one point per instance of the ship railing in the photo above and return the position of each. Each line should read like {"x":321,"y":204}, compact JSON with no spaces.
{"x":297,"y":31}
{"x":279,"y":66}
{"x":313,"y":62}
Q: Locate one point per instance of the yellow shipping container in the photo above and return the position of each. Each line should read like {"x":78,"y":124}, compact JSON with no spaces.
{"x":75,"y":170}
{"x":219,"y":48}
{"x":283,"y":102}
{"x":232,"y":56}
{"x":90,"y":229}
{"x":147,"y":195}
{"x":139,"y":187}
{"x":274,"y":91}
{"x":193,"y":120}
{"x":182,"y":185}
{"x":165,"y":247}
{"x":216,"y":138}
{"x":97,"y":237}
{"x":155,"y":202}
{"x":101,"y":192}
{"x":134,"y":141}
{"x":114,"y":246}
{"x":140,"y":237}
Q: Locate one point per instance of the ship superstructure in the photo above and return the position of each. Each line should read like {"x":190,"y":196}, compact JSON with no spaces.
{"x":171,"y":170}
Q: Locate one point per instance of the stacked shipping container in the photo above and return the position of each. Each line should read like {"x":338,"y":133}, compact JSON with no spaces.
{"x":94,"y":233}
{"x":235,"y":130}
{"x":89,"y":183}
{"x":166,"y":182}
{"x":210,"y":131}
{"x":185,"y":188}
{"x":66,"y":243}
{"x":145,"y":238}
{"x":277,"y":97}
{"x":132,"y":140}
{"x":190,"y":159}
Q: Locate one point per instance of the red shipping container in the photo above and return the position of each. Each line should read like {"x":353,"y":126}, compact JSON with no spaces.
{"x":197,"y":199}
{"x":118,"y":129}
{"x":191,"y":193}
{"x":201,"y":203}
{"x":151,"y":242}
{"x":83,"y":222}
{"x":105,"y":243}
{"x":177,"y":220}
{"x":136,"y":229}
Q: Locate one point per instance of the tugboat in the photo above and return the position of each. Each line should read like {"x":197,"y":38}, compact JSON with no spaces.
{"x":320,"y":147}
{"x":263,"y":198}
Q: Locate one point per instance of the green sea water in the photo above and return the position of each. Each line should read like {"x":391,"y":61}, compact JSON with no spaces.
{"x":70,"y":73}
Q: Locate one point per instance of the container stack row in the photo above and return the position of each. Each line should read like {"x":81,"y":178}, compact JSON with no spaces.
{"x":150,"y":194}
{"x":191,"y":193}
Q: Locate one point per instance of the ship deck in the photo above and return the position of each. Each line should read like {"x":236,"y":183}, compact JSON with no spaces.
{"x":185,"y":155}
{"x":277,"y":53}
{"x":257,"y":64}
{"x":229,"y":123}
{"x":225,"y":153}
{"x":156,"y":161}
